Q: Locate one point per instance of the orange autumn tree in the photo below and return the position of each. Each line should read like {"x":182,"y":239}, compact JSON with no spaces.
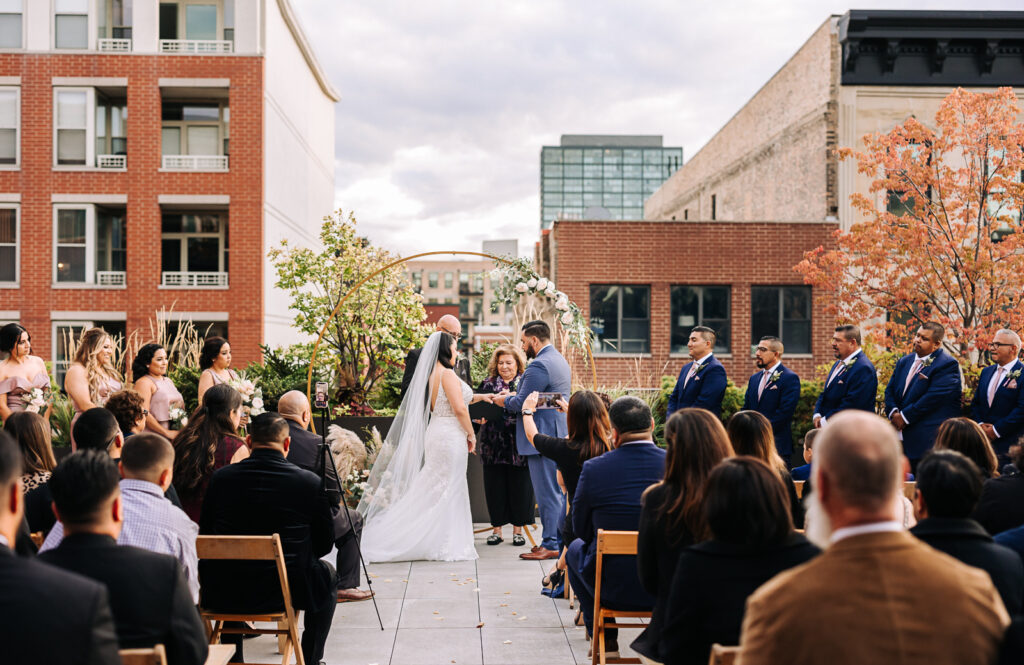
{"x":946,"y":243}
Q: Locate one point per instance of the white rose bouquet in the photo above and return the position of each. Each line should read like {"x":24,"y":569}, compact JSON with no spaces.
{"x":36,"y":400}
{"x":252,"y":395}
{"x":178,"y":417}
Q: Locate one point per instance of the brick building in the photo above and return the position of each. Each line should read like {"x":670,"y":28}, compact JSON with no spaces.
{"x":723,"y":233}
{"x":152,"y":152}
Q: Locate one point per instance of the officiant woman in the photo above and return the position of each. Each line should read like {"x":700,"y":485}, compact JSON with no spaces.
{"x":506,"y":477}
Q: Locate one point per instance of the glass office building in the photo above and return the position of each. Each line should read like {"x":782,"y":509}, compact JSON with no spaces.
{"x":602,"y":177}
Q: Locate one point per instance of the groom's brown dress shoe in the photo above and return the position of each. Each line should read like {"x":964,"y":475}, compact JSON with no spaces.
{"x":540,"y":555}
{"x":536,"y":548}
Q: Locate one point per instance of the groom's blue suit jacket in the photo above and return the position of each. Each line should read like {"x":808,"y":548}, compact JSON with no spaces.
{"x":548,"y":372}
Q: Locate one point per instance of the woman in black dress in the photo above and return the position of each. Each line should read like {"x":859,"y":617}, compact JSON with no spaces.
{"x":751,"y":434}
{"x":507,"y":484}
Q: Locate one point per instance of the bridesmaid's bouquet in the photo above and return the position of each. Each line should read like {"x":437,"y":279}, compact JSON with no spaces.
{"x":252,"y":394}
{"x":178,"y":417}
{"x":36,"y":400}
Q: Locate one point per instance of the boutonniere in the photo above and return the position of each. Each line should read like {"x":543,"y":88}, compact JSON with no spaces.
{"x":701,"y":367}
{"x":927,"y":362}
{"x":775,"y":376}
{"x":1015,"y":374}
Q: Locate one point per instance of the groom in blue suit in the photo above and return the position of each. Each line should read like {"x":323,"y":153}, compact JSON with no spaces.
{"x":851,"y":383}
{"x":702,"y":381}
{"x":547,"y":372}
{"x":998,"y":404}
{"x":924,"y":390}
{"x":774,"y":392}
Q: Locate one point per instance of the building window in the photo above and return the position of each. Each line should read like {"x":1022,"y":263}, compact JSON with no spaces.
{"x":73,"y":125}
{"x":71,"y":24}
{"x":111,"y":126}
{"x":432,"y":280}
{"x":8,"y":245}
{"x":714,"y":206}
{"x":620,"y":316}
{"x":195,"y":128}
{"x":75,"y":225}
{"x":10,"y":23}
{"x":782,"y":311}
{"x":91,"y":245}
{"x":417,"y":279}
{"x":194,"y":249}
{"x":9,"y":124}
{"x":449,"y":280}
{"x":115,"y":19}
{"x":66,"y":335}
{"x":700,"y":306}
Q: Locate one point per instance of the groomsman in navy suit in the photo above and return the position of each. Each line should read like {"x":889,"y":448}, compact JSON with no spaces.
{"x":998,"y":404}
{"x":924,"y":390}
{"x":774,"y":392}
{"x":702,"y":381}
{"x":852,"y":382}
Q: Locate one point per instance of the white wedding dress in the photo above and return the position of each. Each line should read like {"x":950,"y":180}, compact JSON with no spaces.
{"x":430,"y":520}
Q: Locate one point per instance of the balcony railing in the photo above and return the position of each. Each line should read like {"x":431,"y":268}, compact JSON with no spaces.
{"x":195,"y":162}
{"x":194,"y":280}
{"x":196,"y":46}
{"x":108,"y":45}
{"x":110,"y":277}
{"x":111,"y":161}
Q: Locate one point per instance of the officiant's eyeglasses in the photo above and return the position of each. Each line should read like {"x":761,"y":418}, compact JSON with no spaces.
{"x":1002,"y":344}
{"x":457,"y":336}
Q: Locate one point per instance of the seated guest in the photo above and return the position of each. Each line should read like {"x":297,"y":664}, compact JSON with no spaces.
{"x":40,"y":602}
{"x":876,"y":594}
{"x":32,"y":432}
{"x":966,"y":436}
{"x":672,"y":511}
{"x":148,"y":593}
{"x":608,"y":496}
{"x":151,"y":521}
{"x":97,"y":429}
{"x":1001,"y":506}
{"x":752,"y":540}
{"x":207,"y":443}
{"x":1014,"y":539}
{"x":804,"y":472}
{"x":948,"y":487}
{"x":751,"y":434}
{"x":263,"y":495}
{"x":294,"y":408}
{"x":126,"y":405}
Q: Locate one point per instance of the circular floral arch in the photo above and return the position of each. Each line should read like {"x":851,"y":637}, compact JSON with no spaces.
{"x":519,"y":279}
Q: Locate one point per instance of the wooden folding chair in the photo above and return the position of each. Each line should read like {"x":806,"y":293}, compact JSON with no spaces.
{"x":612,"y":543}
{"x":799,"y":484}
{"x":154,"y":656}
{"x":723,"y":655}
{"x":37,"y":538}
{"x":253,"y":548}
{"x":908,"y":489}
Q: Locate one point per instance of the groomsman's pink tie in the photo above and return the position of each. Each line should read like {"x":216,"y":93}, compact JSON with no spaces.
{"x":764,"y":382}
{"x":689,"y":375}
{"x":913,"y":372}
{"x":994,"y":385}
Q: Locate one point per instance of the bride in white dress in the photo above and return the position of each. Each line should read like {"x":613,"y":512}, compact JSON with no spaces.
{"x":416,"y":505}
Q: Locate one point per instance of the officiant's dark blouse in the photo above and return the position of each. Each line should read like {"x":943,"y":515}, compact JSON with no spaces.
{"x":496,"y":441}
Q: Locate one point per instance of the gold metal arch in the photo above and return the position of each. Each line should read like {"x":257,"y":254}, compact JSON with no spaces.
{"x":337,"y":308}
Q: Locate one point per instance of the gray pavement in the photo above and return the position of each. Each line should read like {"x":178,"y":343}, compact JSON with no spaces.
{"x":484,"y":612}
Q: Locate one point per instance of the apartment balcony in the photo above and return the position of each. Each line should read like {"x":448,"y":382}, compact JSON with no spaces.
{"x":194,"y":280}
{"x":197,"y":46}
{"x":111,"y":278}
{"x":111,"y":45}
{"x":195,"y":162}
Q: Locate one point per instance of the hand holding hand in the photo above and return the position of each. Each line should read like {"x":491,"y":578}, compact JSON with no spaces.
{"x":817,"y":422}
{"x":897,"y":421}
{"x":531,"y":401}
{"x":990,"y":431}
{"x":471,"y":443}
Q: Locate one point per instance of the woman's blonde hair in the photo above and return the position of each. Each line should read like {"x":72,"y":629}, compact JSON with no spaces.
{"x":87,"y":355}
{"x":506,"y":350}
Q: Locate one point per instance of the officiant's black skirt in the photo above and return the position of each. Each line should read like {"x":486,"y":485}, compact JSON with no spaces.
{"x":509,"y":494}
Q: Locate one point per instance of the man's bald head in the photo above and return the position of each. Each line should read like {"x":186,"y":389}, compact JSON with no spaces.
{"x":858,"y":456}
{"x":293,"y":405}
{"x":450,"y":324}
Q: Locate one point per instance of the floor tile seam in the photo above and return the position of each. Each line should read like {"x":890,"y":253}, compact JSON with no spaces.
{"x":398,"y":621}
{"x":479,"y":612}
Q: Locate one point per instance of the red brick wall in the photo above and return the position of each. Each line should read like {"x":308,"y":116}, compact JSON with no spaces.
{"x":143,"y":183}
{"x":663,"y":254}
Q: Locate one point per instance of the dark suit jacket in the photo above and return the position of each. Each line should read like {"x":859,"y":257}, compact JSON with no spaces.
{"x":52,"y":617}
{"x":710,"y":589}
{"x":1001,"y":506}
{"x":932,"y":397}
{"x":853,"y":388}
{"x":966,"y":541}
{"x":262,"y":495}
{"x":777,"y":404}
{"x":1006,"y":413}
{"x":608,"y":497}
{"x":461,"y":369}
{"x":547,"y":372}
{"x":658,"y":548}
{"x":148,"y":594}
{"x":705,"y":390}
{"x":303,"y":454}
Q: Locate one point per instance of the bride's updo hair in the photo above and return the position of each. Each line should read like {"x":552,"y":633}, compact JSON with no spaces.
{"x":444,"y":352}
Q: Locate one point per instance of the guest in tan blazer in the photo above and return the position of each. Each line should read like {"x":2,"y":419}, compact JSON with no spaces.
{"x":877,"y":594}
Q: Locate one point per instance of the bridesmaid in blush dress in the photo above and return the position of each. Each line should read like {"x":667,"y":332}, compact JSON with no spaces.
{"x":215,"y":361}
{"x":159,"y":394}
{"x":20,"y":372}
{"x":91,"y":379}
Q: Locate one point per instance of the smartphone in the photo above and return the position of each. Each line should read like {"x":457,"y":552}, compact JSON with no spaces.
{"x":320,"y":399}
{"x":548,"y":400}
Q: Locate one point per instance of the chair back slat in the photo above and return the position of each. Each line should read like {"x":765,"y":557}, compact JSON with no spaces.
{"x":236,"y":548}
{"x":154,"y":656}
{"x":908,"y":489}
{"x":723,"y":655}
{"x":616,"y":542}
{"x":799,"y":484}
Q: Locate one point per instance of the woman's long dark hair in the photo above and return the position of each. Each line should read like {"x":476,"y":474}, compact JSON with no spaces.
{"x":444,"y":352}
{"x":966,"y":436}
{"x":196,"y":445}
{"x":588,"y":423}
{"x":9,"y":336}
{"x":32,"y":432}
{"x":746,"y":504}
{"x":697,"y":442}
{"x":751,"y":434}
{"x":211,"y":349}
{"x":140,"y":365}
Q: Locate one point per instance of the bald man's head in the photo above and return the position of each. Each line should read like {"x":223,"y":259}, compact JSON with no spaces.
{"x":860,"y":455}
{"x":450,"y":324}
{"x":293,"y":405}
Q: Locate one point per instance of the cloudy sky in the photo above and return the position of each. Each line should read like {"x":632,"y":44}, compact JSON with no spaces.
{"x":446,"y":104}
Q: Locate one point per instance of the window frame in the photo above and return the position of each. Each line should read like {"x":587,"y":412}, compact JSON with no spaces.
{"x":90,"y":27}
{"x":90,"y":242}
{"x":619,"y":317}
{"x":16,"y":283}
{"x":725,"y":350}
{"x":222,"y":125}
{"x":90,"y":126}
{"x":780,"y":323}
{"x":106,"y":9}
{"x":17,"y":127}
{"x":184,"y":236}
{"x":21,"y":14}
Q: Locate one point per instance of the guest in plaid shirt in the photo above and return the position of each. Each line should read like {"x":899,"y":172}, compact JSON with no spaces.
{"x":151,"y":522}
